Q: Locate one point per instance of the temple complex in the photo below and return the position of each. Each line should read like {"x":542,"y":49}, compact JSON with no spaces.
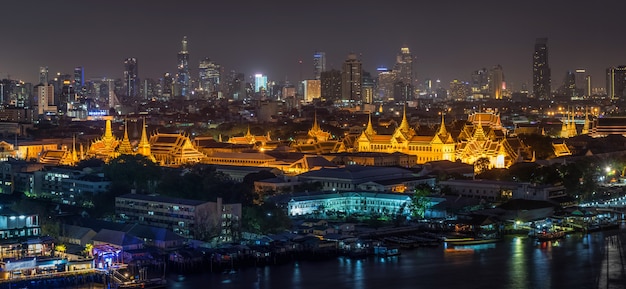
{"x":405,"y":140}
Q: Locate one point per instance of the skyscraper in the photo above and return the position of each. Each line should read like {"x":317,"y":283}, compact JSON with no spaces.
{"x":404,"y":66}
{"x":131,"y":77}
{"x":351,"y":79}
{"x":496,"y":81}
{"x":184,"y":79}
{"x":260,"y":82}
{"x":386,"y":79}
{"x":319,"y":63}
{"x":581,"y":82}
{"x":43,"y":75}
{"x":480,"y":82}
{"x":209,"y":76}
{"x":79,"y":78}
{"x":541,"y":70}
{"x":331,"y":84}
{"x":616,"y":82}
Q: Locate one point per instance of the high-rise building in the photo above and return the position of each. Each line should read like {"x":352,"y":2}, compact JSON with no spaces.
{"x":209,"y":76}
{"x":79,"y":78}
{"x":581,"y":82}
{"x":319,"y":63}
{"x":496,"y":82}
{"x":331,"y":84}
{"x":351,"y":79}
{"x":367,"y":88}
{"x":45,"y":98}
{"x":588,"y":83}
{"x":459,"y":90}
{"x":312,"y":89}
{"x":131,"y":77}
{"x":386,"y":79}
{"x":404,"y":66}
{"x":616,"y":82}
{"x":184,"y":78}
{"x":167,"y":85}
{"x":480,"y":81}
{"x":43,"y":75}
{"x":541,"y":70}
{"x":260,"y":82}
{"x":569,"y":84}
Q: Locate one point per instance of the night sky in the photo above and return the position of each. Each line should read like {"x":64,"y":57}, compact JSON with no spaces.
{"x":449,"y":39}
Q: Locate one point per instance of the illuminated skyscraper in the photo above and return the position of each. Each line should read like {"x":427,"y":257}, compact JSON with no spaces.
{"x":541,"y":70}
{"x":319,"y":63}
{"x":43,"y":75}
{"x":131,"y":77}
{"x":351,"y":79}
{"x":616,"y":82}
{"x":79,"y":78}
{"x":404,"y":66}
{"x":167,"y":85}
{"x":209,"y":76}
{"x":480,"y":82}
{"x":581,"y":82}
{"x":331,"y":84}
{"x":184,"y":79}
{"x":386,"y":79}
{"x":260,"y":82}
{"x":496,"y":81}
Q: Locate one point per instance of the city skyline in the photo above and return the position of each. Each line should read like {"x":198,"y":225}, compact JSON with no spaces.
{"x":449,"y":41}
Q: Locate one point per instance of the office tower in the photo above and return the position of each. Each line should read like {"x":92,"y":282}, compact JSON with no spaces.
{"x":616,"y":82}
{"x":184,"y":78}
{"x":580,"y":82}
{"x":319,"y":63}
{"x":386,"y":80}
{"x":312,"y":89}
{"x":351,"y":79}
{"x":541,"y":70}
{"x":459,"y":90}
{"x":260,"y":82}
{"x":404,"y":66}
{"x":331,"y":84}
{"x":43,"y":75}
{"x":167,"y":85}
{"x":588,"y":83}
{"x":496,"y":82}
{"x":236,"y":85}
{"x":131,"y":77}
{"x":480,"y":81}
{"x":569,"y":84}
{"x":45,"y":98}
{"x":367,"y":88}
{"x":208,"y":76}
{"x":79,"y":77}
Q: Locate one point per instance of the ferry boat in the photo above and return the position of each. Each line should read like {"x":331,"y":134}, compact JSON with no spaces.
{"x":549,"y":236}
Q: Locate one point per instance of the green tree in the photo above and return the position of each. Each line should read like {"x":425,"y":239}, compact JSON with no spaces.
{"x":420,"y":202}
{"x":132,"y":172}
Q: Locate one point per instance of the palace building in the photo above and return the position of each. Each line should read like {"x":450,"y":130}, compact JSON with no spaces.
{"x":483,"y":136}
{"x":317,"y":141}
{"x":404,"y":139}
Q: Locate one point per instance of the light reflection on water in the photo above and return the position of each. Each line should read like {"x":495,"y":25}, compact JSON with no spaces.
{"x":515,"y":263}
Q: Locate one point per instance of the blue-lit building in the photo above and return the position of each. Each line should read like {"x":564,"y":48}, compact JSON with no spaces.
{"x":319,"y":63}
{"x":260,"y":82}
{"x":184,"y":79}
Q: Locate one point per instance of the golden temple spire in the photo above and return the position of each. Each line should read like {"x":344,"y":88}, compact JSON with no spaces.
{"x":369,"y":130}
{"x":143,"y":148}
{"x":248,"y":134}
{"x":404,"y":125}
{"x":125,"y":146}
{"x":442,"y":128}
{"x":479,"y":133}
{"x":74,"y":155}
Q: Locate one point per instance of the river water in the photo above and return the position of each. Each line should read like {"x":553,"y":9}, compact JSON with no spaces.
{"x":517,"y":262}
